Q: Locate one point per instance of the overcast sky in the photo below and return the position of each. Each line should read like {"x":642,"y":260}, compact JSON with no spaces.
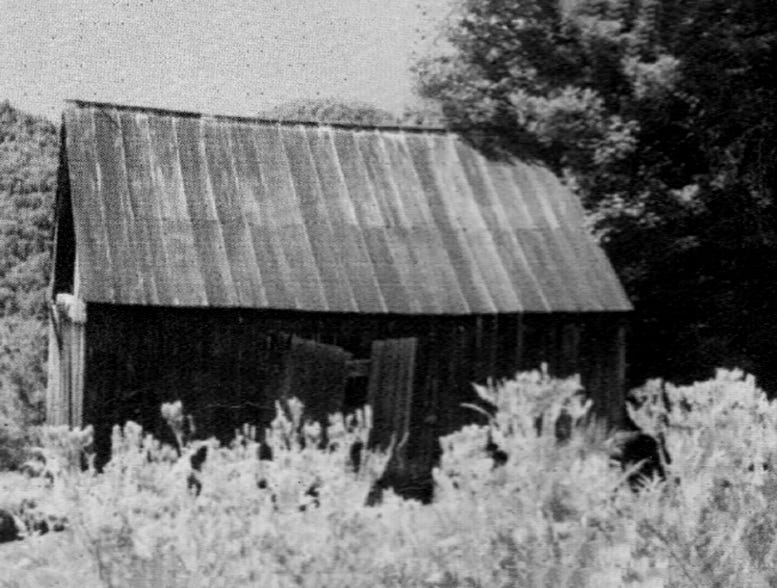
{"x":218,"y":56}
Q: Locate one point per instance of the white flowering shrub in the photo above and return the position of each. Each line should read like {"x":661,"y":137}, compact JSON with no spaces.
{"x":145,"y":525}
{"x":717,"y":515}
{"x":549,"y":515}
{"x":552,"y":514}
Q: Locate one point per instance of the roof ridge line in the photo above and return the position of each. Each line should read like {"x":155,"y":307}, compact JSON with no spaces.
{"x":257,"y":119}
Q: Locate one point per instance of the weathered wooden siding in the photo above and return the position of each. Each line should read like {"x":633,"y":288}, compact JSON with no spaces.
{"x":229,"y":366}
{"x":391,"y":388}
{"x":316,"y":374}
{"x":218,"y":366}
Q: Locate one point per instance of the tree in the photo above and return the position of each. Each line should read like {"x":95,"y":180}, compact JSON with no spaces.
{"x":332,"y":110}
{"x":661,"y":114}
{"x":28,"y":163}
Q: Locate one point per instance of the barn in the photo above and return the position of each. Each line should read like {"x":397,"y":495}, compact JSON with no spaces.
{"x":229,"y":262}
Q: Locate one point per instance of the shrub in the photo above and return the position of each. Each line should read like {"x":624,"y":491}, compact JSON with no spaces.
{"x":22,"y":369}
{"x":552,"y":515}
{"x":252,"y":520}
{"x":22,"y":384}
{"x":13,"y":444}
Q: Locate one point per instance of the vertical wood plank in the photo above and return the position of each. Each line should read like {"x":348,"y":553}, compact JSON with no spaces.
{"x":618,"y":402}
{"x":122,"y":243}
{"x":52,"y":383}
{"x":89,"y":216}
{"x":374,"y":396}
{"x":491,"y":343}
{"x":570,"y":349}
{"x":78,"y":318}
{"x":478,"y":350}
{"x":408,"y":360}
{"x":75,"y":374}
{"x":63,"y":406}
{"x":390,"y":388}
{"x":519,"y":343}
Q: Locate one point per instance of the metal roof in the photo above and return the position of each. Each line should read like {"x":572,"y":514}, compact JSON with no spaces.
{"x":174,"y":209}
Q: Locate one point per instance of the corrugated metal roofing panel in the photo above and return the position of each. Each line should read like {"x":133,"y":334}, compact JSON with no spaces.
{"x":412,"y":236}
{"x":273,"y":271}
{"x":473,"y":224}
{"x":283,"y":208}
{"x":94,"y":255}
{"x":393,"y":220}
{"x":315,"y":220}
{"x":573,"y":268}
{"x":558,"y":246}
{"x":152,"y":256}
{"x":176,"y":209}
{"x":371,"y":223}
{"x":170,"y":210}
{"x":428,"y":247}
{"x":349,"y":240}
{"x":507,"y":247}
{"x":436,"y":186}
{"x":110,"y":161}
{"x":238,"y":244}
{"x":184,"y":181}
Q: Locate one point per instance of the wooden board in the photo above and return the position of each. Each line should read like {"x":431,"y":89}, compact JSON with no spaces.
{"x":65,"y":392}
{"x":390,"y":389}
{"x":316,"y":375}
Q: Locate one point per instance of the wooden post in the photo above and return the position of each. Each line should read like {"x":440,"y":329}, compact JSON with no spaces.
{"x":53,"y":384}
{"x":67,"y":345}
{"x":570,"y":349}
{"x":619,"y":380}
{"x":519,"y":343}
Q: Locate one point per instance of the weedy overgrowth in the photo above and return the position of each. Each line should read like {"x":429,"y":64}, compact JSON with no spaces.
{"x":550,"y":514}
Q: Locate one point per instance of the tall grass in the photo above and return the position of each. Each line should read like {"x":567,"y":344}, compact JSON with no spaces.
{"x":552,"y":515}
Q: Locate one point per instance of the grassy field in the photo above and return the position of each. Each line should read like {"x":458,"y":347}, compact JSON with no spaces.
{"x":553,"y":515}
{"x":45,"y":561}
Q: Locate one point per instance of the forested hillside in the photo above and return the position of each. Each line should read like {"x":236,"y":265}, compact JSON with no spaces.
{"x":28,"y":160}
{"x":662,"y":114}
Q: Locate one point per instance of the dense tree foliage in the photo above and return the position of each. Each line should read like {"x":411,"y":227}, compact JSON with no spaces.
{"x":662,"y":115}
{"x":28,"y":148}
{"x":332,"y":110}
{"x":28,"y":160}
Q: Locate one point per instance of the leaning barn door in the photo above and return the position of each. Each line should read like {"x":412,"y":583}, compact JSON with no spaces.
{"x":391,"y":395}
{"x":390,"y":390}
{"x":316,"y":375}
